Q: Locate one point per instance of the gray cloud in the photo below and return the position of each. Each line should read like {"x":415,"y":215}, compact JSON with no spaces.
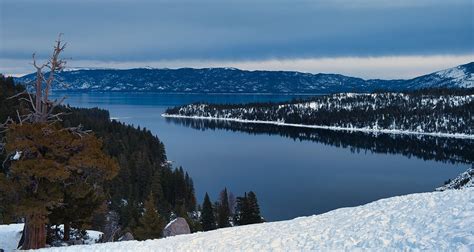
{"x":236,"y":30}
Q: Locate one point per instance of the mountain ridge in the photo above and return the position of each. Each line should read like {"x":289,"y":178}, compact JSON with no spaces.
{"x":232,"y":80}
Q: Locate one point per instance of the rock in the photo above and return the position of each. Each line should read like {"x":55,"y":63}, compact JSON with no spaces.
{"x":177,"y":226}
{"x":127,"y":237}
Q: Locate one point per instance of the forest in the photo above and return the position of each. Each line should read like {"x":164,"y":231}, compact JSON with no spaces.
{"x":427,"y":111}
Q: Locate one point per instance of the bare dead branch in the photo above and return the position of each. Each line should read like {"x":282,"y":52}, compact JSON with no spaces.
{"x":15,"y":96}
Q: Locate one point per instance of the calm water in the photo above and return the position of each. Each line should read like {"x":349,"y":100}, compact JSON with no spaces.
{"x":291,"y":177}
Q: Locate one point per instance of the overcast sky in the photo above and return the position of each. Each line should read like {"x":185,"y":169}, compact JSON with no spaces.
{"x":365,"y":38}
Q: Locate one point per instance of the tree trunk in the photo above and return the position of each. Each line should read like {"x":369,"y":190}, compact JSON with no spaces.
{"x":34,"y":232}
{"x":67,"y":231}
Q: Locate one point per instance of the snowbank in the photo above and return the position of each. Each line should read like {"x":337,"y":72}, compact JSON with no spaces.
{"x":436,"y":221}
{"x":10,"y":235}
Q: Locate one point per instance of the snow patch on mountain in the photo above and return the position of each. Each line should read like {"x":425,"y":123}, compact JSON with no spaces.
{"x":460,"y":75}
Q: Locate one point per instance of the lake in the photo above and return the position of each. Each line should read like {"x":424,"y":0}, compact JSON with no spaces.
{"x":292,"y":175}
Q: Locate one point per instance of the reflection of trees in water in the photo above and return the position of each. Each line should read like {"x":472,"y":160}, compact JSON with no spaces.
{"x":425,"y":147}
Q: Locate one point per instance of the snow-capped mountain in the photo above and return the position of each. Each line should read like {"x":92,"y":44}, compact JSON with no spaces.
{"x":460,"y":76}
{"x":231,"y":80}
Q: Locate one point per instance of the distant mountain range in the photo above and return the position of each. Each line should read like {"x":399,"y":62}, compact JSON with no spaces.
{"x":231,"y":80}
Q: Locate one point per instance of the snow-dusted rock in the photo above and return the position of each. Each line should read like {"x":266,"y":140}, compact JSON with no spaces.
{"x":464,"y":180}
{"x":177,"y":226}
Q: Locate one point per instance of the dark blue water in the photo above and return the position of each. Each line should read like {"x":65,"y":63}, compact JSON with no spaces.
{"x":291,"y":178}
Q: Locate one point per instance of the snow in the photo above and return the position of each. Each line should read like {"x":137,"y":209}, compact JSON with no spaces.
{"x":370,"y":130}
{"x":10,"y":235}
{"x":459,"y":75}
{"x":435,"y":221}
{"x":170,"y":223}
{"x":17,"y":155}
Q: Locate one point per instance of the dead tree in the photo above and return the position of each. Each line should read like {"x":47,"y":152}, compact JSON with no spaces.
{"x":42,"y":107}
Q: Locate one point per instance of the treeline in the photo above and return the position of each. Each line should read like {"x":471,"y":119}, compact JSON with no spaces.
{"x":429,"y":110}
{"x":144,"y":172}
{"x":230,"y":211}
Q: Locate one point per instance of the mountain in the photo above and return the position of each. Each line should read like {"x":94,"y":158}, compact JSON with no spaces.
{"x":231,"y":80}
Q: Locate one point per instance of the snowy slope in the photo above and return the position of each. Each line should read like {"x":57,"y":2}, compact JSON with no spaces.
{"x":460,"y":76}
{"x":437,"y":221}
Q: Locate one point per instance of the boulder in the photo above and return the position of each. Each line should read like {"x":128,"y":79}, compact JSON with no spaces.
{"x":127,"y":237}
{"x":177,"y":226}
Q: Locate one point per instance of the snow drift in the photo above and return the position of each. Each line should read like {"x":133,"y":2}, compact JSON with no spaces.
{"x":436,"y":221}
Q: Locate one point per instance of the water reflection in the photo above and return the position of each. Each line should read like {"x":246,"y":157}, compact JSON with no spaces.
{"x":421,"y":146}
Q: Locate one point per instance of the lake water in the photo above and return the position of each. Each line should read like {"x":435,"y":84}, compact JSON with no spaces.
{"x":291,"y":176}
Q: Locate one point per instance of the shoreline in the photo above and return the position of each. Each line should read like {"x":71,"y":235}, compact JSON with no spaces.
{"x":336,"y":128}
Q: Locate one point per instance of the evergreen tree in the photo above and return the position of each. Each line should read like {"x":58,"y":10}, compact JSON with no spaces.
{"x":207,"y":215}
{"x":247,"y":210}
{"x":254,"y":210}
{"x":241,"y":210}
{"x":151,"y":224}
{"x":156,"y":187}
{"x":53,"y":162}
{"x":223,"y":212}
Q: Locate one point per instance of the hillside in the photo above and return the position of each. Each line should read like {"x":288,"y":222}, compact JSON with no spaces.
{"x":231,"y":80}
{"x":436,"y":221}
{"x":433,"y":112}
{"x":141,"y":157}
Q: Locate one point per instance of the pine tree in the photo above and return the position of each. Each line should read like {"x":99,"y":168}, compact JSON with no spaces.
{"x":151,"y":224}
{"x":223,"y":210}
{"x":241,"y":211}
{"x":54,"y":161}
{"x":156,"y":187}
{"x":207,"y":216}
{"x":254,"y":210}
{"x":247,"y":210}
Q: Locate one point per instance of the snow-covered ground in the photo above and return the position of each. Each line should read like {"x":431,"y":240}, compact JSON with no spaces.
{"x":10,"y":236}
{"x":436,"y":221}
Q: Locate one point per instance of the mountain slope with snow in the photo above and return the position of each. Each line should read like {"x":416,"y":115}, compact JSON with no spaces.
{"x":231,"y":80}
{"x":436,"y":221}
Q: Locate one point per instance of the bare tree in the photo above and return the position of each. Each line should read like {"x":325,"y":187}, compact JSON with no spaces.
{"x":42,"y":107}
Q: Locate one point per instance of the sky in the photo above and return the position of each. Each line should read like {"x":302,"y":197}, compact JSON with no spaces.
{"x":364,"y":38}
